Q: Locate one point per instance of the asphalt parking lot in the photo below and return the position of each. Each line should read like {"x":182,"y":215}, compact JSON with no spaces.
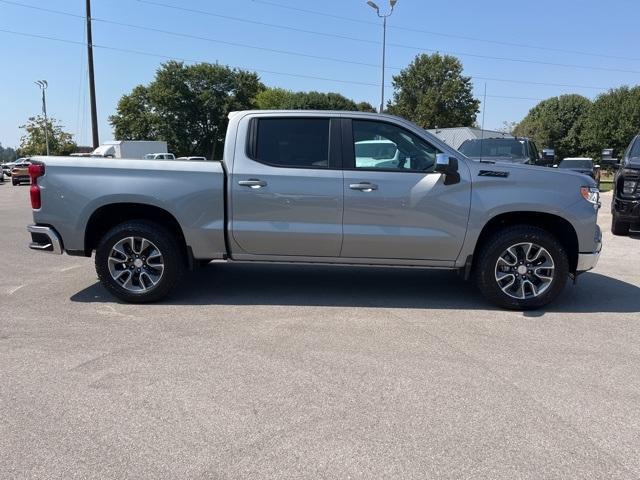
{"x":282,"y":372}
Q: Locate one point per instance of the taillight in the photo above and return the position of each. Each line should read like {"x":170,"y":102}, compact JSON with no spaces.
{"x":36,"y":170}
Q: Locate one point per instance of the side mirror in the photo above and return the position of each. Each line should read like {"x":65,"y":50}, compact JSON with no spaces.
{"x":554,"y":166}
{"x":448,"y":166}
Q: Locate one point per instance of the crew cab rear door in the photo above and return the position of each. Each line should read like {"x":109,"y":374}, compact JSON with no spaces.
{"x":286,"y":187}
{"x":395,"y":205}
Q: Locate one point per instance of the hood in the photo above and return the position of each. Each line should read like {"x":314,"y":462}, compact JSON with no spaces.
{"x":501,"y":159}
{"x":531,"y":173}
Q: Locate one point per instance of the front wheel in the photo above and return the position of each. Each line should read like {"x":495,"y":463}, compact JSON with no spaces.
{"x":522,"y":268}
{"x":139,"y":261}
{"x":619,"y":228}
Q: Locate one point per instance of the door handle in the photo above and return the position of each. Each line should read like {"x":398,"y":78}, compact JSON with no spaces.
{"x":364,"y":186}
{"x":252,"y":183}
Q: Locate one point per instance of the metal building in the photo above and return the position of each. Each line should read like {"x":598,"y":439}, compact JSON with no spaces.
{"x":456,"y":135}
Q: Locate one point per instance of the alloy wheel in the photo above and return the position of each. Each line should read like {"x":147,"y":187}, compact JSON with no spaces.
{"x":524,"y":270}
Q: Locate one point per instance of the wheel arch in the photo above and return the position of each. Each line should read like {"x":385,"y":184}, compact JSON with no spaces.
{"x":108,"y":216}
{"x":554,"y":224}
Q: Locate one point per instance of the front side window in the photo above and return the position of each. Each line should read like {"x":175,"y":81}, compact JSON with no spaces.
{"x":293,"y":142}
{"x":383,"y":146}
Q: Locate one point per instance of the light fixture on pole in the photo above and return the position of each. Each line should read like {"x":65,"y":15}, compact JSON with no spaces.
{"x":43,"y":86}
{"x":392,"y":4}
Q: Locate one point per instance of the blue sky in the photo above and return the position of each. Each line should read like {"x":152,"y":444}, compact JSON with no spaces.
{"x":606,"y":33}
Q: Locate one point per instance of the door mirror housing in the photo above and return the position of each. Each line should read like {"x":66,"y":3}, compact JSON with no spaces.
{"x":448,"y":166}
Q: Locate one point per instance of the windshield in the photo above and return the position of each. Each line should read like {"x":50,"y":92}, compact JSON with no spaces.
{"x":580,"y":163}
{"x":635,"y":150}
{"x":380,"y":150}
{"x":494,"y":147}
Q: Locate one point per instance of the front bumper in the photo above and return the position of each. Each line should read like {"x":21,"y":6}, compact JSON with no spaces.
{"x":44,"y":239}
{"x":627,"y":210}
{"x":588,"y":261}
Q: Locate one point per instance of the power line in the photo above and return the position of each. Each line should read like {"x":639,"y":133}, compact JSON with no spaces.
{"x":448,"y":35}
{"x":278,"y":51}
{"x":190,"y":60}
{"x":397,"y":45}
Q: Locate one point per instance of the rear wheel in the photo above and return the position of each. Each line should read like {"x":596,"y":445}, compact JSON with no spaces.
{"x":139,"y":261}
{"x":619,"y":227}
{"x":522,"y":268}
{"x":14,"y":182}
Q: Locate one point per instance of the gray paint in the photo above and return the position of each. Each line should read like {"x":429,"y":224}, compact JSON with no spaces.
{"x":412,"y":219}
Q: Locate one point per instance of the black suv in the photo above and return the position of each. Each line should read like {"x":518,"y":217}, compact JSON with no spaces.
{"x":625,"y":207}
{"x":501,"y":149}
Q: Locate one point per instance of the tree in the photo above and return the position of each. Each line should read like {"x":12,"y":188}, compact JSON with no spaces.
{"x":281,"y":99}
{"x":432,"y":92}
{"x":557,"y":123}
{"x":508,"y":127}
{"x":187,"y":106}
{"x":612,"y":121}
{"x":33,"y":142}
{"x":7,"y":154}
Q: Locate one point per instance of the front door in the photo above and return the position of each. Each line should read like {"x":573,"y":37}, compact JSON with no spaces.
{"x":286,"y":188}
{"x":395,"y":205}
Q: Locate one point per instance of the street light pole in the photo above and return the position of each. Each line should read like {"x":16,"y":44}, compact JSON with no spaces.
{"x":43,"y":86}
{"x":384,"y":17}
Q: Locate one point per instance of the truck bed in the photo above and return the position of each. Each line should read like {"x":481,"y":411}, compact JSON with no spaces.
{"x":75,"y":189}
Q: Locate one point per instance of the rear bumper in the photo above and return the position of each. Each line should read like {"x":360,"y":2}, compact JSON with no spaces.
{"x":44,"y":239}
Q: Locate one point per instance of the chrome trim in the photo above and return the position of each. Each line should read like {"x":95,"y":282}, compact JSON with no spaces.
{"x":587,"y":261}
{"x":54,"y":245}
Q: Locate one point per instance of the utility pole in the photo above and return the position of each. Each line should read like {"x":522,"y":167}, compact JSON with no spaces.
{"x":43,"y":86}
{"x":92,"y":83}
{"x":392,"y":3}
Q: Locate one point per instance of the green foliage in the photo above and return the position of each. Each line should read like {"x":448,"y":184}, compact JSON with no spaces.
{"x":187,"y":106}
{"x":432,"y":92}
{"x":7,"y":154}
{"x":281,"y":99}
{"x":612,"y":122}
{"x":557,"y":123}
{"x":33,"y":141}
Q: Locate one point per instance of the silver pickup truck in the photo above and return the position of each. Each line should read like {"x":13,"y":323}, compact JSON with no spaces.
{"x":338,"y":188}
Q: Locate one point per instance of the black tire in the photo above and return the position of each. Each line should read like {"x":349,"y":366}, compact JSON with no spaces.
{"x":172,"y":257}
{"x":14,"y":183}
{"x":496,"y":245}
{"x":619,"y":228}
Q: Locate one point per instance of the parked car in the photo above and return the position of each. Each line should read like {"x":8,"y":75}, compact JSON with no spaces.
{"x":159,"y":156}
{"x":625,"y":207}
{"x":583,"y":165}
{"x":6,"y":167}
{"x":192,"y":159}
{"x":514,"y":150}
{"x":292,"y":188}
{"x":20,"y":173}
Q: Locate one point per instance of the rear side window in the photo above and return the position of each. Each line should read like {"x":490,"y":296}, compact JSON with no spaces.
{"x":293,"y":142}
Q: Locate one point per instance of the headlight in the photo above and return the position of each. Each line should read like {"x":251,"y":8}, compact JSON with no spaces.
{"x":629,"y":187}
{"x":591,"y":194}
